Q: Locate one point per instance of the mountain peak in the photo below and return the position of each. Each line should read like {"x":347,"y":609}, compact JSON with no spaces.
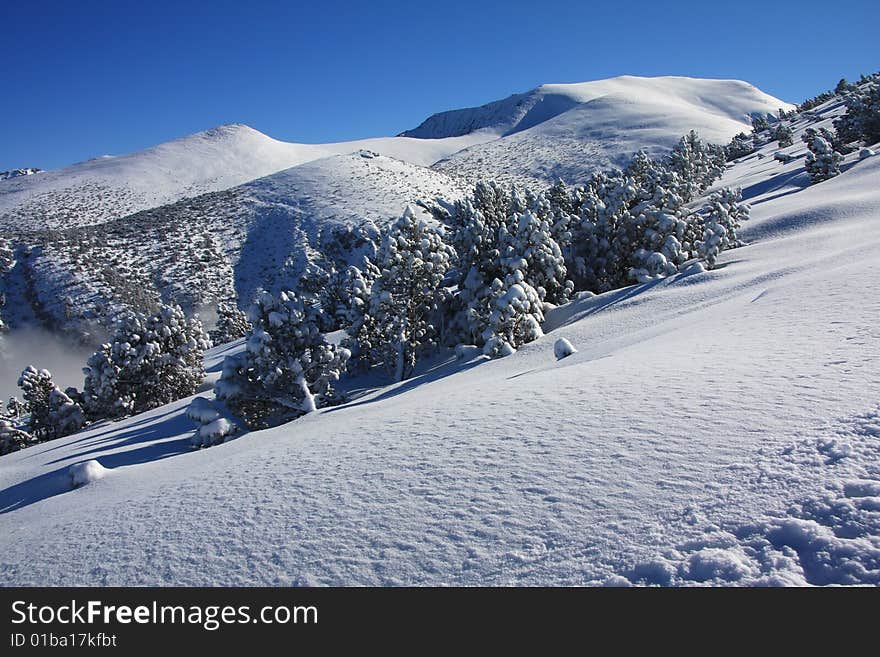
{"x":735,"y":99}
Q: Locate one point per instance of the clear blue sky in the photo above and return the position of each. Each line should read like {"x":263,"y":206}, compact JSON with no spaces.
{"x":85,"y":78}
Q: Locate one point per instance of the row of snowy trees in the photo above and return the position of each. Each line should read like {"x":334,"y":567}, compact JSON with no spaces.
{"x":151,"y":360}
{"x":479,"y":271}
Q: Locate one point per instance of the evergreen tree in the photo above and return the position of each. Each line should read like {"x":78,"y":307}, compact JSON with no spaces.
{"x":232,"y":324}
{"x":404,"y":308}
{"x":52,"y":413}
{"x":12,"y":438}
{"x":862,"y":119}
{"x":740,"y":146}
{"x":722,"y":216}
{"x":528,"y":246}
{"x":822,"y":162}
{"x":151,"y":361}
{"x":287,"y":368}
{"x":784,"y":135}
{"x":15,"y":408}
{"x":662,"y":226}
{"x":514,"y":315}
{"x":760,"y":123}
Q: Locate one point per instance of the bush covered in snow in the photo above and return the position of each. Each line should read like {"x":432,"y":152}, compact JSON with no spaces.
{"x":783,"y":135}
{"x":213,"y":429}
{"x":287,"y":367}
{"x":740,"y":146}
{"x":562,"y":348}
{"x":151,"y":360}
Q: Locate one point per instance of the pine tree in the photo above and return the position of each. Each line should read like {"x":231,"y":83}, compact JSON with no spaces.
{"x":404,"y":308}
{"x":722,"y":216}
{"x":822,"y":162}
{"x":784,"y":135}
{"x":287,"y":368}
{"x":15,"y":408}
{"x":740,"y":146}
{"x":695,"y":164}
{"x":514,"y":315}
{"x":662,"y":224}
{"x":232,"y":324}
{"x":862,"y":119}
{"x":12,"y":438}
{"x":52,"y":413}
{"x":528,"y":246}
{"x":151,"y":361}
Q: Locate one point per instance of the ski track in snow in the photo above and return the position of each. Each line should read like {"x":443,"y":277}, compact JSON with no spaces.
{"x":713,"y":428}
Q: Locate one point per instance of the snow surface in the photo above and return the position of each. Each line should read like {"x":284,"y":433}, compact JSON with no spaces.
{"x":715,"y":427}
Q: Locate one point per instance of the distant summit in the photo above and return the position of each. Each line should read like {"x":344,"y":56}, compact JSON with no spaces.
{"x":731,"y":99}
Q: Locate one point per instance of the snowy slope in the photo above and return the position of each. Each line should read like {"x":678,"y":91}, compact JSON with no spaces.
{"x":583,"y":126}
{"x":222,"y":245}
{"x":570,"y":130}
{"x":714,"y":427}
{"x":210,"y":161}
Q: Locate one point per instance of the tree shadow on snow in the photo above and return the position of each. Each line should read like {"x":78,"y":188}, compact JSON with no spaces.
{"x":797,"y":178}
{"x":158,"y":437}
{"x":434,"y":373}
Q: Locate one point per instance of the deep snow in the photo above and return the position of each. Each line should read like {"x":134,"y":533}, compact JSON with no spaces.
{"x":715,"y":427}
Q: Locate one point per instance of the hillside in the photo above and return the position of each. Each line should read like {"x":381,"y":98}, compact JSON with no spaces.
{"x":567,"y":131}
{"x":218,"y":246}
{"x":215,"y":160}
{"x":715,"y":427}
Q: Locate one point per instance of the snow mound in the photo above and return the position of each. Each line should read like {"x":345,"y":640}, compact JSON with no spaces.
{"x":86,"y":472}
{"x":563,"y":348}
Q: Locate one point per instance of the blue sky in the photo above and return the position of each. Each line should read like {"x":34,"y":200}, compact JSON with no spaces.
{"x":86,"y":78}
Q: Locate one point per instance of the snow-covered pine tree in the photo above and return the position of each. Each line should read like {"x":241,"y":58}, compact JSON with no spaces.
{"x":600,"y":243}
{"x":514,"y":315}
{"x":740,"y":146}
{"x":722,"y":215}
{"x":52,"y":413}
{"x":12,"y":438}
{"x":662,"y":224}
{"x":151,"y":361}
{"x":404,"y":308}
{"x":232,"y":323}
{"x":822,"y":162}
{"x":862,"y":119}
{"x":527,"y":245}
{"x":15,"y":408}
{"x":287,"y":368}
{"x":783,"y":135}
{"x":695,"y":164}
{"x":760,"y":123}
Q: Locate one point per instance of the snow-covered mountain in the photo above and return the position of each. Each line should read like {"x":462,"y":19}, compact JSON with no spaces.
{"x":568,"y":131}
{"x":126,"y":230}
{"x":714,"y":428}
{"x":214,"y":160}
{"x":558,"y":130}
{"x":220,"y":245}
